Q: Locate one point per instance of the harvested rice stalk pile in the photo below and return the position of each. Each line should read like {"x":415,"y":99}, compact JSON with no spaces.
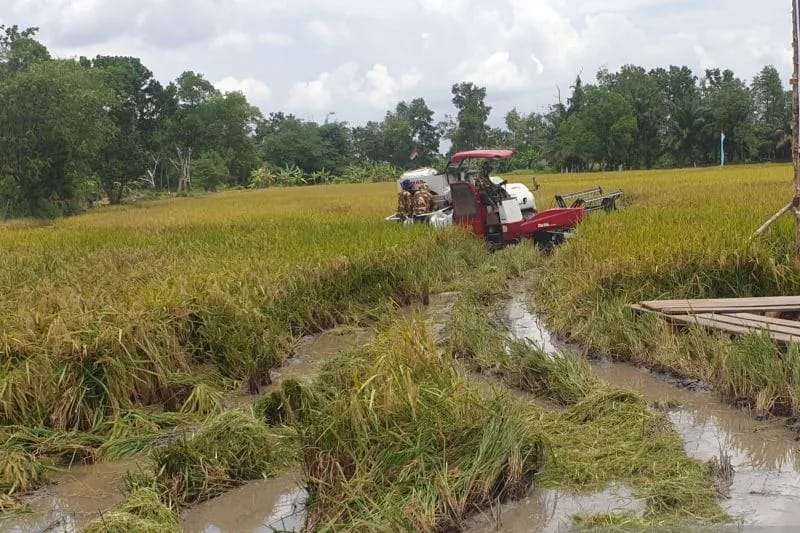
{"x":142,"y":512}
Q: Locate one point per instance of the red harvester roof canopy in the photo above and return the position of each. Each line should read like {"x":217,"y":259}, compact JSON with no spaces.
{"x":482,"y":154}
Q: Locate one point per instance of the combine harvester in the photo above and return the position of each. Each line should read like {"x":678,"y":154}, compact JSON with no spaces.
{"x":503,"y":213}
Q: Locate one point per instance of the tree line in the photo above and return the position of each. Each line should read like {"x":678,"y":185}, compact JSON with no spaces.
{"x":73,"y":132}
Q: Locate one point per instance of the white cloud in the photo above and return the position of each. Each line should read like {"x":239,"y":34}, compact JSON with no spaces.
{"x":274,"y":38}
{"x":319,"y":94}
{"x":328,"y":33}
{"x":538,"y":63}
{"x":256,"y":91}
{"x":497,"y":72}
{"x":382,"y":89}
{"x":410,"y":79}
{"x":240,"y":41}
{"x":521,"y":49}
{"x":311,"y":96}
{"x":451,"y":7}
{"x":233,"y":40}
{"x":376,"y":88}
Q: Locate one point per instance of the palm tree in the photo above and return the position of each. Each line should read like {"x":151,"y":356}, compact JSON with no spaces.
{"x":687,"y":128}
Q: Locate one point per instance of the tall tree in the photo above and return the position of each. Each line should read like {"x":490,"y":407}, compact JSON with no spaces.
{"x":677,"y":83}
{"x":731,"y":104}
{"x":19,"y":50}
{"x":470,"y":129}
{"x":287,"y":141}
{"x":52,"y":123}
{"x":425,"y":135}
{"x":687,"y":129}
{"x":649,"y":102}
{"x":603,"y":131}
{"x":137,"y":111}
{"x":772,"y":104}
{"x":368,"y":142}
{"x":398,"y":138}
{"x":527,"y":135}
{"x":207,"y":120}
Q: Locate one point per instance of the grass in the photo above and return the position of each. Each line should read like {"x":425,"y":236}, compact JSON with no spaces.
{"x":161,"y":307}
{"x":122,"y":324}
{"x":682,"y":234}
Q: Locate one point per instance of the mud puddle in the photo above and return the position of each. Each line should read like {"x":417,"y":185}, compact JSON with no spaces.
{"x":766,"y":483}
{"x":310,"y":354}
{"x":528,"y":326}
{"x":80,"y":494}
{"x":75,"y":497}
{"x":264,"y":506}
{"x":765,"y":491}
{"x":273,"y":504}
{"x":552,"y":510}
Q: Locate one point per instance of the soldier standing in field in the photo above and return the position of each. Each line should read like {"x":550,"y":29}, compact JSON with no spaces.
{"x":423,"y":203}
{"x":405,"y":200}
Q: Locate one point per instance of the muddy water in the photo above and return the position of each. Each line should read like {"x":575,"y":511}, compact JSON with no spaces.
{"x":526,"y":325}
{"x":552,"y":510}
{"x":75,"y":497}
{"x":310,"y":354}
{"x":78,"y":495}
{"x":766,"y":485}
{"x":273,"y":504}
{"x":263,"y":506}
{"x":765,"y":458}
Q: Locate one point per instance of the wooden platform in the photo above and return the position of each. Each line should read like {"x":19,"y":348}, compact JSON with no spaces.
{"x":737,"y":316}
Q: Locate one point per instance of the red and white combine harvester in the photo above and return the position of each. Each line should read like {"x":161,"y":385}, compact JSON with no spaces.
{"x":499,"y":212}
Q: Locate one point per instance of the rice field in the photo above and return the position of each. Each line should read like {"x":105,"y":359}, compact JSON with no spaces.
{"x":130,"y":323}
{"x":682,"y":234}
{"x":126,"y":322}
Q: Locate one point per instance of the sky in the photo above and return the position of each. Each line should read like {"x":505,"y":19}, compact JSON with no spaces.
{"x":351,"y":60}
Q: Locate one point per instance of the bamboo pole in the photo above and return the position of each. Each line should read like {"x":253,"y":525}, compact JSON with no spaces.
{"x":796,"y":124}
{"x":772,"y":220}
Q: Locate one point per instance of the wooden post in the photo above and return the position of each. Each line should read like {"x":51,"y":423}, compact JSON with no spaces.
{"x":794,"y":205}
{"x":796,"y":123}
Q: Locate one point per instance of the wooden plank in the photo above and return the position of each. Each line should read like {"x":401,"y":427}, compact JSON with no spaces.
{"x":731,"y":324}
{"x":769,"y":320}
{"x":725,"y":302}
{"x":709,"y":321}
{"x":793,"y":330}
{"x":727,"y":310}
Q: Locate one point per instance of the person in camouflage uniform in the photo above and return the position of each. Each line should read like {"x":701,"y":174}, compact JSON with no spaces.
{"x":405,"y":200}
{"x":423,"y":202}
{"x":482,"y":182}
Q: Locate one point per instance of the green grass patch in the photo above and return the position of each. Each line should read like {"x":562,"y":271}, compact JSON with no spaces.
{"x":681,"y":234}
